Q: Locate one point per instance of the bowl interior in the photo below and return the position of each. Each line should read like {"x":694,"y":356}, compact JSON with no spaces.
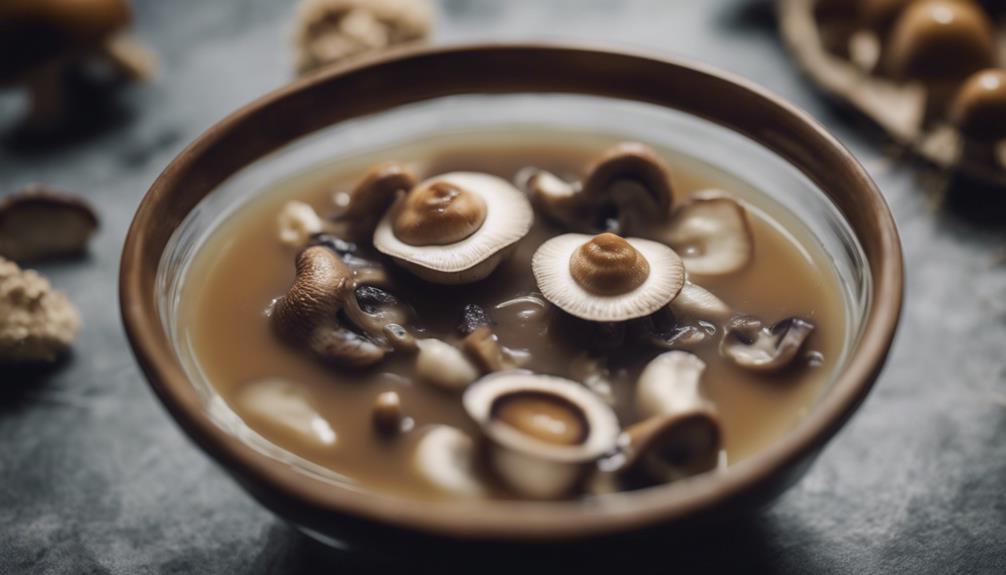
{"x":766,"y":146}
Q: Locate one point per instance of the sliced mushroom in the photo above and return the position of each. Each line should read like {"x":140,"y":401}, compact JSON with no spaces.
{"x":542,"y":432}
{"x":443,"y":365}
{"x":606,"y":278}
{"x":445,"y":457}
{"x":286,"y":406}
{"x":297,"y":222}
{"x":40,"y":222}
{"x":627,"y":186}
{"x":358,"y":210}
{"x":752,"y":346}
{"x":673,"y":446}
{"x":454,"y":228}
{"x":695,"y":302}
{"x":670,"y":384}
{"x":312,"y":311}
{"x":712,"y":234}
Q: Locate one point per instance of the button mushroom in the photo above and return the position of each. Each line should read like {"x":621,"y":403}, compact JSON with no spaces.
{"x":712,"y":234}
{"x":312,"y":311}
{"x":627,"y":186}
{"x":39,"y":222}
{"x":454,"y":228}
{"x":445,"y":457}
{"x":285,"y":406}
{"x":607,"y":278}
{"x":939,"y":43}
{"x":752,"y":346}
{"x":979,"y":112}
{"x":42,"y":39}
{"x":542,"y":433}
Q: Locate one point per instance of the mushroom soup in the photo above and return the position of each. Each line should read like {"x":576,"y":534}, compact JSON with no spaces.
{"x":477,"y":316}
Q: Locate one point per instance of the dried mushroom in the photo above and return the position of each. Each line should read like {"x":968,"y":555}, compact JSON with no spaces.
{"x":445,"y":457}
{"x":607,"y":278}
{"x":629,"y":185}
{"x":40,"y":222}
{"x":321,"y":311}
{"x":43,"y":39}
{"x":751,"y":345}
{"x":37,"y":323}
{"x":454,"y":228}
{"x":712,"y":234}
{"x":542,"y":433}
{"x":329,"y":31}
{"x":286,"y":406}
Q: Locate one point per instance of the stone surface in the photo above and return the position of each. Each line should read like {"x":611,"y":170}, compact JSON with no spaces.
{"x":96,"y":478}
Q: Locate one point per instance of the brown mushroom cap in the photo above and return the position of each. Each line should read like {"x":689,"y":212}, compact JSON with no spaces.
{"x":979,"y":109}
{"x":33,"y":32}
{"x":508,"y":217}
{"x":607,"y":278}
{"x":634,"y":162}
{"x":940,"y":40}
{"x":438,"y":213}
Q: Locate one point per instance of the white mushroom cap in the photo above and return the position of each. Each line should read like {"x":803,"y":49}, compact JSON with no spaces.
{"x":670,"y":384}
{"x":284,"y":405}
{"x":653,"y":288}
{"x":712,"y":234}
{"x":445,"y":457}
{"x":508,"y":217}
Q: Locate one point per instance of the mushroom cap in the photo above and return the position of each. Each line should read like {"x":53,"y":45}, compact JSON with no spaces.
{"x":676,"y":445}
{"x":542,"y":416}
{"x":554,"y":263}
{"x":444,"y":456}
{"x":38,"y":31}
{"x":712,"y":234}
{"x":438,"y":213}
{"x":636,"y":162}
{"x":979,"y":109}
{"x":940,"y":40}
{"x":508,"y":218}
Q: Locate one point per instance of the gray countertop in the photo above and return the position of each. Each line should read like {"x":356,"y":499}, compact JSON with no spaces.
{"x":96,"y":478}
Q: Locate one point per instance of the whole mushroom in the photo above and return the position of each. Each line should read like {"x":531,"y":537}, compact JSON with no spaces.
{"x":629,"y":185}
{"x":979,"y":113}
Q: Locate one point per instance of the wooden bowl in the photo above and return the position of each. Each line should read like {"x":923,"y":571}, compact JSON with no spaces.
{"x":333,"y":511}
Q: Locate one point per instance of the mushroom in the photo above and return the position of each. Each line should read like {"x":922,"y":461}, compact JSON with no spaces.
{"x":542,"y":433}
{"x":285,"y":406}
{"x":297,"y":223}
{"x":939,"y":43}
{"x":386,"y":415}
{"x":444,"y":365}
{"x":358,"y":210}
{"x":445,"y":458}
{"x":43,"y":39}
{"x":37,"y":323}
{"x":454,"y":228}
{"x":680,"y":435}
{"x":628,"y":185}
{"x":40,"y":222}
{"x":697,"y":303}
{"x":712,"y":234}
{"x":484,"y":348}
{"x":979,"y":113}
{"x":755,"y":347}
{"x":607,"y":278}
{"x":312,"y":310}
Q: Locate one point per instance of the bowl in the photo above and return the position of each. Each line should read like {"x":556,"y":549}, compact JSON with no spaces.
{"x":722,"y":120}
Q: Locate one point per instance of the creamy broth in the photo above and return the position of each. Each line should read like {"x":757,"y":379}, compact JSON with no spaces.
{"x":242,"y":267}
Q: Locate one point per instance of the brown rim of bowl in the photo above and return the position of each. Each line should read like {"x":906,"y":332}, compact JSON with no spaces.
{"x":413,"y":75}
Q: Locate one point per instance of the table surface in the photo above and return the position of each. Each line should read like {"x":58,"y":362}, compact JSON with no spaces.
{"x":96,"y":478}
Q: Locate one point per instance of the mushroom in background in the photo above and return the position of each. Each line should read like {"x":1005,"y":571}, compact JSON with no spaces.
{"x":37,"y":323}
{"x":43,"y":39}
{"x":329,"y":31}
{"x":979,"y":113}
{"x":40,"y":222}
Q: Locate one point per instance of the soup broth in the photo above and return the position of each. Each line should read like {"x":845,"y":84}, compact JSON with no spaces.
{"x":242,"y":267}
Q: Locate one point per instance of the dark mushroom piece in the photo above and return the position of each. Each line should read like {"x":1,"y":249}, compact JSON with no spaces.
{"x":755,"y":347}
{"x":358,"y":210}
{"x":979,"y":113}
{"x":42,"y":39}
{"x":312,"y":311}
{"x":627,"y":186}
